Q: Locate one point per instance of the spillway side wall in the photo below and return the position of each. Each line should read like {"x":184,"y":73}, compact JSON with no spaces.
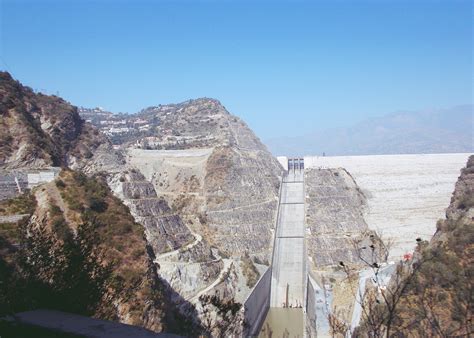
{"x":310,"y":322}
{"x":257,"y":304}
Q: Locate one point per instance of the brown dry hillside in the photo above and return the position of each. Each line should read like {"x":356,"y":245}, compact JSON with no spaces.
{"x":84,"y":254}
{"x":439,"y":302}
{"x":433,"y":294}
{"x":38,"y":130}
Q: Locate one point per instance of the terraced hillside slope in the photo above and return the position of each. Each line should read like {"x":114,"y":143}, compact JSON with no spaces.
{"x":205,"y":189}
{"x":406,"y":194}
{"x":335,"y":208}
{"x":78,"y":249}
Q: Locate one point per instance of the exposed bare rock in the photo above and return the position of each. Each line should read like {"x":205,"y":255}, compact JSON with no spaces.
{"x":38,"y":130}
{"x":334,"y":215}
{"x":213,"y":167}
{"x":213,"y":200}
{"x":436,"y":298}
{"x":462,"y":201}
{"x":241,"y":188}
{"x":164,"y":231}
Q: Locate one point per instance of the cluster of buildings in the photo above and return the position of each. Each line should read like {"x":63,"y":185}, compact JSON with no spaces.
{"x":114,"y":124}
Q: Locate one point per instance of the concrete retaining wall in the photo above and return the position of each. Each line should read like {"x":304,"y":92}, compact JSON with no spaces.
{"x":12,"y":218}
{"x":257,"y":304}
{"x":38,"y":178}
{"x":283,"y":161}
{"x":310,"y":310}
{"x":14,"y":182}
{"x":10,"y":181}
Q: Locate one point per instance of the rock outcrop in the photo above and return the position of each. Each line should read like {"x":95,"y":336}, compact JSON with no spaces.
{"x":431,"y":294}
{"x":335,"y":216}
{"x":199,"y":183}
{"x":38,"y":130}
{"x":205,"y":189}
{"x":214,"y":167}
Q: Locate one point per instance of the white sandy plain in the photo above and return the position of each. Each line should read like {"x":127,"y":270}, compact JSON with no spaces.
{"x":406,"y":194}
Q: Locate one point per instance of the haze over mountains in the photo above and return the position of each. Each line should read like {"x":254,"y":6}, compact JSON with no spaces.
{"x":179,"y":203}
{"x":433,"y":131}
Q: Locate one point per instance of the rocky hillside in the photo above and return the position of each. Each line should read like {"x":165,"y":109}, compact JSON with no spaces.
{"x":431,"y":294}
{"x":214,"y":166}
{"x":79,"y":250}
{"x":438,"y":302}
{"x":38,"y":130}
{"x":205,"y":189}
{"x":335,"y":216}
{"x":200,"y":191}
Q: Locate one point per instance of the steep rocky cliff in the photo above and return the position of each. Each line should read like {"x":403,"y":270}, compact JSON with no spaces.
{"x":223,"y":172}
{"x":430,"y":294}
{"x":81,"y":251}
{"x":205,"y":189}
{"x":335,"y":216}
{"x":438,"y":297}
{"x":200,"y":186}
{"x":38,"y":130}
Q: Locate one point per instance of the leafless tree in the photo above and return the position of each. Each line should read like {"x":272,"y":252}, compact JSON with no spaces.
{"x":219,"y":316}
{"x":379,"y":301}
{"x":412,"y":300}
{"x":339,"y":328}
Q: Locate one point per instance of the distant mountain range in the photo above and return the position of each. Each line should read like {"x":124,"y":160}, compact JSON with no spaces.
{"x":434,"y":131}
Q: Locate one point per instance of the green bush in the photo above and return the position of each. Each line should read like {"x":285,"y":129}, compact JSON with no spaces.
{"x":23,"y":204}
{"x":60,"y":184}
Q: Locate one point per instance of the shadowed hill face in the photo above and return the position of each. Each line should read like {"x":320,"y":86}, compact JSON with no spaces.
{"x":98,"y":262}
{"x":37,"y":130}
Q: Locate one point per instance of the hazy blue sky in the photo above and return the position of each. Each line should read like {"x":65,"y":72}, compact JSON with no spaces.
{"x":282,"y":66}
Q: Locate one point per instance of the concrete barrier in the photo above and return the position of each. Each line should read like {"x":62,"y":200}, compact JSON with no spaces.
{"x":12,"y":218}
{"x":283,"y":161}
{"x":288,"y":263}
{"x":37,"y":178}
{"x":310,"y":323}
{"x":256,"y":305}
{"x":12,"y":183}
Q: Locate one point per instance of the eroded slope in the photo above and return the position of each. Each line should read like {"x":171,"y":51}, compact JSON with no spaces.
{"x":335,"y":208}
{"x":38,"y":130}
